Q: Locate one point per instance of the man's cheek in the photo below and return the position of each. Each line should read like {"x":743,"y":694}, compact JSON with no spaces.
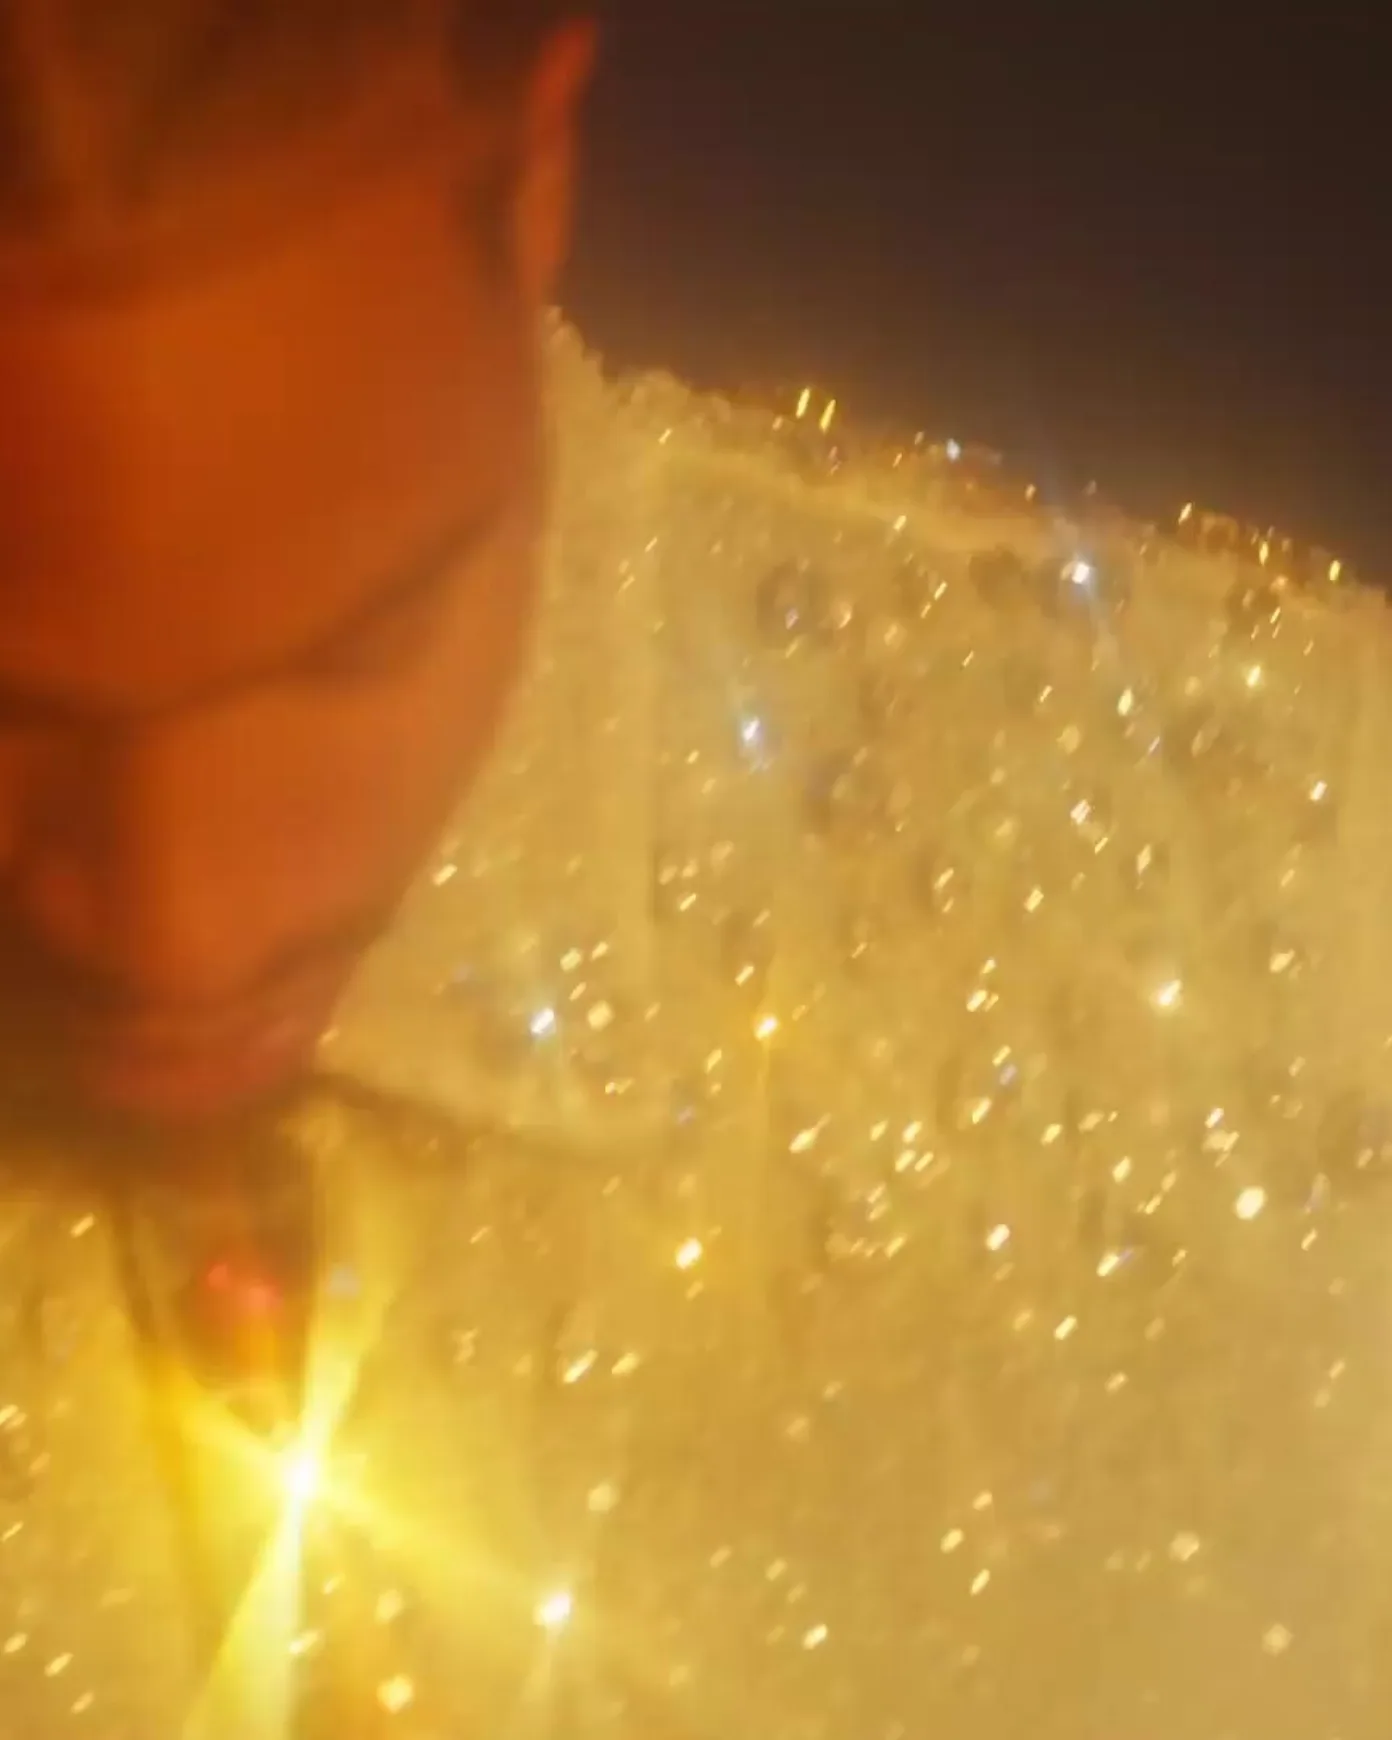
{"x":12,"y":786}
{"x":378,"y":810}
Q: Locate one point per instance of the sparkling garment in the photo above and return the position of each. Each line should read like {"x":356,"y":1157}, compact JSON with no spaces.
{"x":896,"y":1235}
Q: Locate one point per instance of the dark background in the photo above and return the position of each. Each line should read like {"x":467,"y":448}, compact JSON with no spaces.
{"x":1148,"y":245}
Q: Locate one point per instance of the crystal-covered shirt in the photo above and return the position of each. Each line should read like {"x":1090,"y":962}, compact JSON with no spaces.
{"x":856,"y":1204}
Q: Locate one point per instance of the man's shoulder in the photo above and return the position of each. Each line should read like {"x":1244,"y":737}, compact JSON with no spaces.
{"x":821,"y":721}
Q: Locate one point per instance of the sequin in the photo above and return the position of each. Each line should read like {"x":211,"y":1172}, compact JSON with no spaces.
{"x":794,"y":604}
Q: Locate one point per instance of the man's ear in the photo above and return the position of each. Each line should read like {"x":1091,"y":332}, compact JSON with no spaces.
{"x":544,"y":206}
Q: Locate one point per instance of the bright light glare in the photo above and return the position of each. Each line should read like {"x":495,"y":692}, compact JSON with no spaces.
{"x":302,"y":1477}
{"x":554,"y":1612}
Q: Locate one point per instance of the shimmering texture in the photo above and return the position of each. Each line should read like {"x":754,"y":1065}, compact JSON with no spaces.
{"x":917,"y":973}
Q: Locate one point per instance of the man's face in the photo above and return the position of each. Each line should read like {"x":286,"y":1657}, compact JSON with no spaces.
{"x":266,"y":547}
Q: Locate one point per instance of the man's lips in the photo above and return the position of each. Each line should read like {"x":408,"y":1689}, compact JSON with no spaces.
{"x":188,"y":1076}
{"x":71,"y":1036}
{"x":161,"y":1065}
